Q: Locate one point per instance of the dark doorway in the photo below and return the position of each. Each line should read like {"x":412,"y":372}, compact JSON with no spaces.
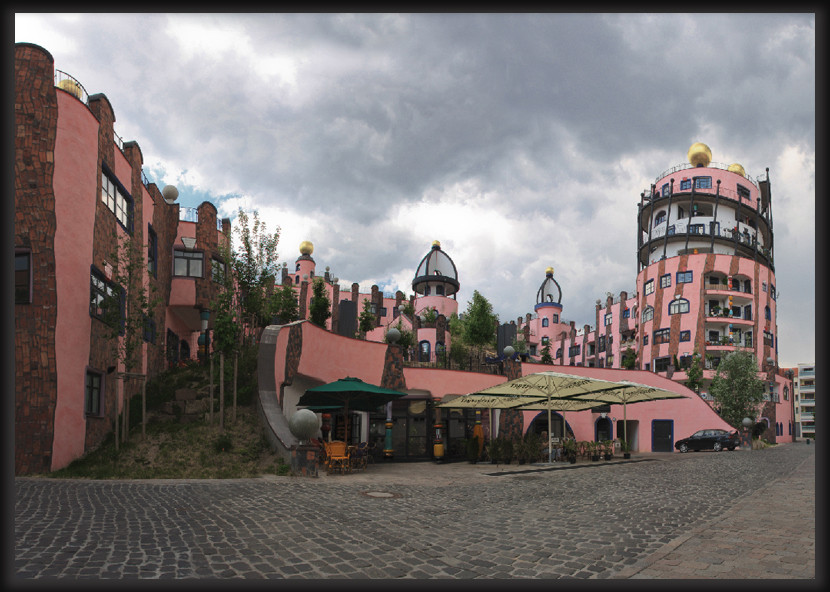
{"x":662,"y":435}
{"x":603,"y":429}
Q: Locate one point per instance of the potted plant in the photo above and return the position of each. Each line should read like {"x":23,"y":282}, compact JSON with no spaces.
{"x":593,"y":448}
{"x":494,"y":451}
{"x":626,"y":449}
{"x":472,"y":450}
{"x":608,"y":448}
{"x":570,"y":450}
{"x":507,"y":451}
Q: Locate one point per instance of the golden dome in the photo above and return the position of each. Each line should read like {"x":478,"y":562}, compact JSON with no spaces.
{"x":306,"y":248}
{"x":71,"y":87}
{"x":436,"y":243}
{"x":549,"y":271}
{"x":699,"y":154}
{"x":736,"y":168}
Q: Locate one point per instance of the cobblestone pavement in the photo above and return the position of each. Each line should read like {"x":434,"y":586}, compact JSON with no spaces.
{"x":734,"y":514}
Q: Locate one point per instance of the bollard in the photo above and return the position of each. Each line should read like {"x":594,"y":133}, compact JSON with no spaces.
{"x":808,"y":441}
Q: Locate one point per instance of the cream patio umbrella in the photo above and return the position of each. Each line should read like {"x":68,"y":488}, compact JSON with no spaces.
{"x":562,"y":405}
{"x":537,"y":387}
{"x":631,"y":392}
{"x":481,"y":401}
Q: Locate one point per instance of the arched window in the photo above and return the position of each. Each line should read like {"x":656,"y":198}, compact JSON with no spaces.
{"x":660,"y":217}
{"x":679,"y":306}
{"x":424,"y":351}
{"x":545,"y":322}
{"x":767,"y":313}
{"x":545,"y":340}
{"x":648,"y":313}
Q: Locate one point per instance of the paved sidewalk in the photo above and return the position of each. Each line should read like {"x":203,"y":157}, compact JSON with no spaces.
{"x":768,"y":534}
{"x":697,"y":515}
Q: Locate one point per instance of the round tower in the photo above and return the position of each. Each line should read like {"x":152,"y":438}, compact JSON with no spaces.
{"x":305,"y":265}
{"x":548,"y":308}
{"x":705,"y":262}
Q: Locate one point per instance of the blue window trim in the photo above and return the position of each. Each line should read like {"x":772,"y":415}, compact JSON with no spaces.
{"x":703,"y":182}
{"x":648,"y":287}
{"x":685,"y":335}
{"x":684,"y":277}
{"x":679,"y":302}
{"x":685,"y":184}
{"x":665,"y":280}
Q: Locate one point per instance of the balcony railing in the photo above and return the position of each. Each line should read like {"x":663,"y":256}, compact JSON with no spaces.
{"x":686,"y":165}
{"x":68,"y":83}
{"x":192,"y":215}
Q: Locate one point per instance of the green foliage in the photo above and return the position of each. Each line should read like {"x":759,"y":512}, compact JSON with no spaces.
{"x":480,"y":322}
{"x":367,"y":319}
{"x":283,"y":304}
{"x":629,"y":359}
{"x":472,"y":445}
{"x":430,"y":315}
{"x":254,"y":266}
{"x":546,"y":357}
{"x":223,"y":443}
{"x":694,"y":373}
{"x":736,"y":388}
{"x":319,"y":311}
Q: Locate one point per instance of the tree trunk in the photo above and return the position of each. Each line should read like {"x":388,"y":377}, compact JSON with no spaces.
{"x":117,"y":417}
{"x":221,"y":391}
{"x":125,"y":427}
{"x":210,"y":409}
{"x":143,"y":407}
{"x":235,"y":374}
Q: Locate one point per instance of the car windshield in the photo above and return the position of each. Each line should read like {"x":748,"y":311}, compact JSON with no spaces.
{"x":699,"y":434}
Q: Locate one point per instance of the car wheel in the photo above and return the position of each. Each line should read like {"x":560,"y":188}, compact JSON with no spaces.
{"x":683,"y":448}
{"x":731,"y":448}
{"x":717,"y":447}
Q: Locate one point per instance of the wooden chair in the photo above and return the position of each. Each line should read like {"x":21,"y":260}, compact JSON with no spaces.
{"x":338,"y":458}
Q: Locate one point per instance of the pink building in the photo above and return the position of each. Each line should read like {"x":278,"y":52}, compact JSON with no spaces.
{"x":80,"y":191}
{"x":705,"y":285}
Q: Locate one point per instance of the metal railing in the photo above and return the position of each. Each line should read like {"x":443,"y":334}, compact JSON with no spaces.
{"x":71,"y":85}
{"x":684,"y":166}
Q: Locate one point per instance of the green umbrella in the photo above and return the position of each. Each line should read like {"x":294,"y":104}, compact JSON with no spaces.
{"x":348,"y":393}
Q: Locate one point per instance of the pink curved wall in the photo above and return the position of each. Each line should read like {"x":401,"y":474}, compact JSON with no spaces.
{"x":76,"y":196}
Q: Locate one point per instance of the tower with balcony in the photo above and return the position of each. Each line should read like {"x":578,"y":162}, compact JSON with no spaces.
{"x":706,"y":272}
{"x":435,"y":285}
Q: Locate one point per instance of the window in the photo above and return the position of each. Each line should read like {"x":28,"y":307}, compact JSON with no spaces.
{"x":152,"y":251}
{"x":648,"y":287}
{"x":601,"y":343}
{"x":424,"y":352}
{"x":172,"y":346}
{"x":685,"y":336}
{"x":117,"y":200}
{"x":645,"y":339}
{"x":608,"y":318}
{"x":681,"y":213}
{"x":767,"y":338}
{"x":573,"y":350}
{"x":703,"y":182}
{"x":439,"y":290}
{"x":22,"y":278}
{"x":684,"y":277}
{"x":149,"y":329}
{"x":679,"y":306}
{"x":767,"y":313}
{"x":626,"y":313}
{"x":545,"y":340}
{"x":660,"y":217}
{"x":217,"y":270}
{"x":92,"y":396}
{"x":662,"y":336}
{"x":101,"y":292}
{"x":664,"y":190}
{"x":685,"y":184}
{"x":648,"y":313}
{"x":558,"y":354}
{"x":187,"y":263}
{"x":772,"y":292}
{"x":555,"y":318}
{"x":662,"y":364}
{"x":545,"y":322}
{"x":764,"y":286}
{"x":743,"y":192}
{"x":665,"y":280}
{"x":697,"y":229}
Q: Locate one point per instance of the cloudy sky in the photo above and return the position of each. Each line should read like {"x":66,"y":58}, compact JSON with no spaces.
{"x":518,"y":141}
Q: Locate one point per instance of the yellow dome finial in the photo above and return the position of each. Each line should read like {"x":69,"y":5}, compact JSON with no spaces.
{"x":306,"y":248}
{"x":699,"y":154}
{"x":436,"y":243}
{"x":549,"y":271}
{"x":736,"y":168}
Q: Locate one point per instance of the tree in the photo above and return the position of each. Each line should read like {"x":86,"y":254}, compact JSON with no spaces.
{"x":546,"y":357}
{"x":128,"y":313}
{"x":736,"y":387}
{"x":629,"y":359}
{"x":283,"y":304}
{"x":480,"y":322}
{"x":694,"y":373}
{"x":226,"y":337}
{"x":319,"y":311}
{"x":367,"y":319}
{"x":254,"y":266}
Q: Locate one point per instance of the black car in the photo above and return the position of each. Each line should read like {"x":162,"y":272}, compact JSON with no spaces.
{"x":715,"y":440}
